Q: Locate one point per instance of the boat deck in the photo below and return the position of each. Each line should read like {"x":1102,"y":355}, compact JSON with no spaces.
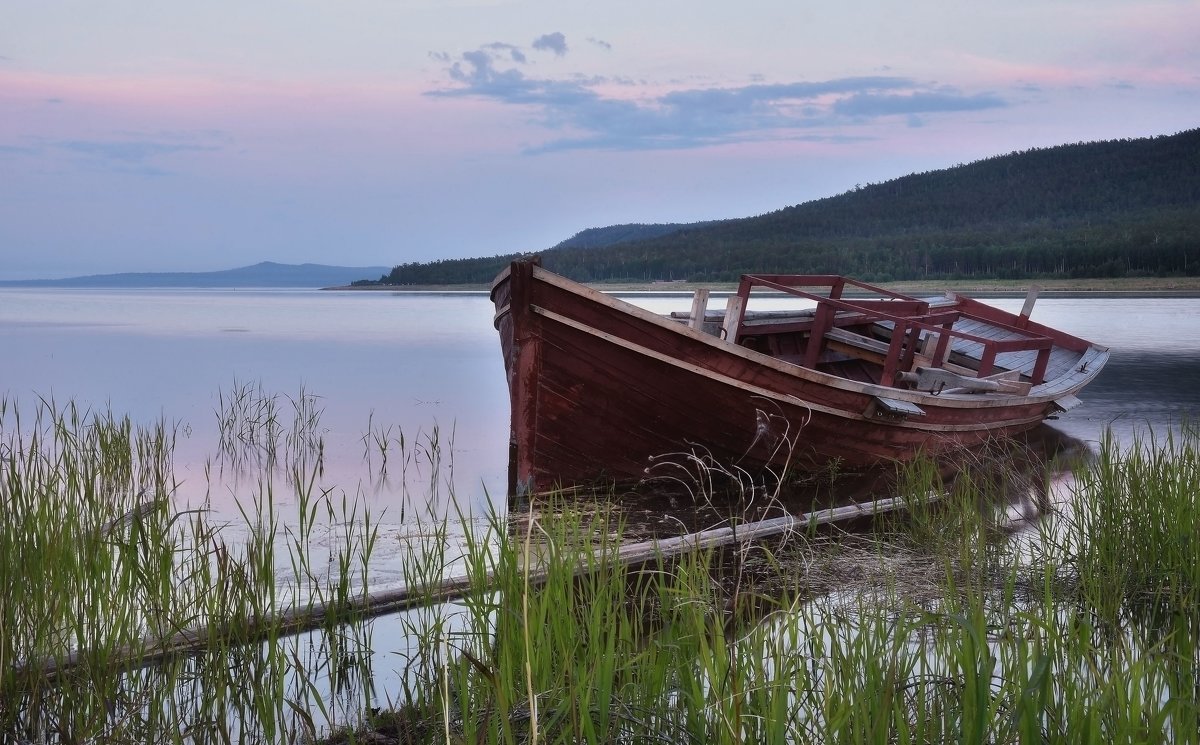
{"x":1062,"y":361}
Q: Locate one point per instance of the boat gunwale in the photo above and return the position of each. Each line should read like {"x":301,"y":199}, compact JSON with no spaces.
{"x":783,"y":396}
{"x":500,"y":279}
{"x":946,"y":400}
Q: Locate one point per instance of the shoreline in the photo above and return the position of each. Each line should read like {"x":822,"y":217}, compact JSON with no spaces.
{"x":1141,"y":287}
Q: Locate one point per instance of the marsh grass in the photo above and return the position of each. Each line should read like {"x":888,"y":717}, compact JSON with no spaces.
{"x":933,"y":626}
{"x":102,"y":572}
{"x":1139,"y":530}
{"x":936,"y":626}
{"x":254,"y":431}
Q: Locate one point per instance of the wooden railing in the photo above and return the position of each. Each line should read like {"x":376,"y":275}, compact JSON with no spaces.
{"x":909,"y":316}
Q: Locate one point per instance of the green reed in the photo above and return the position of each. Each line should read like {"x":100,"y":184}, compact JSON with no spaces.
{"x":1139,"y":528}
{"x":252,"y":428}
{"x":936,"y":625}
{"x":102,"y":572}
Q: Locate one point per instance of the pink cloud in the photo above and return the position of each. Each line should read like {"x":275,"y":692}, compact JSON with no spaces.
{"x":326,"y":116}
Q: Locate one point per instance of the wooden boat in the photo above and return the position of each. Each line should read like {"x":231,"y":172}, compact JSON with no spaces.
{"x":602,"y":390}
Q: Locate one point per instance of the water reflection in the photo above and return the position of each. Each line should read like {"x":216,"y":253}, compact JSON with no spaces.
{"x":1011,"y":487}
{"x":1138,"y":393}
{"x":1015,"y":473}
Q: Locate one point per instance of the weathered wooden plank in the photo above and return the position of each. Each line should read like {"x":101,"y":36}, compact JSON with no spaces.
{"x":1069,"y":379}
{"x":852,"y":339}
{"x":1061,"y":361}
{"x":1017,"y":360}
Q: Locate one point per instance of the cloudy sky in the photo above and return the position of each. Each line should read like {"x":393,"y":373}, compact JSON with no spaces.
{"x":164,"y":136}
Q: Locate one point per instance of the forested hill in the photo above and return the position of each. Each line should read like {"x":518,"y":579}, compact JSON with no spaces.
{"x":595,"y":237}
{"x":1114,"y":208}
{"x":483,"y":270}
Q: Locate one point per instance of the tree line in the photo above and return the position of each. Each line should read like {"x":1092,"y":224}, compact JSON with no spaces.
{"x":1106,"y":209}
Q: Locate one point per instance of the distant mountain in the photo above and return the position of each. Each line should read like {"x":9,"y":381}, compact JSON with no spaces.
{"x":264,"y":274}
{"x":1118,"y":208}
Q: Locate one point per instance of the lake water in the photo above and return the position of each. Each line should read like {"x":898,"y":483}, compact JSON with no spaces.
{"x":412,"y":361}
{"x":421,"y":363}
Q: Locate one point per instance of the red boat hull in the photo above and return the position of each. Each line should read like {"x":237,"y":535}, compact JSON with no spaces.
{"x":603,"y":391}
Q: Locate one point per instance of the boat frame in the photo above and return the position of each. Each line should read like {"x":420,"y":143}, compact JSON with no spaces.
{"x":604,"y":391}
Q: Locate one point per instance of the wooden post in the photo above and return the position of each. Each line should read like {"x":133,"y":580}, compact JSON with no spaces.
{"x":1039,"y":368}
{"x":987,"y":361}
{"x":1027,"y":308}
{"x":936,"y":347}
{"x":892,"y":362}
{"x":699,"y":306}
{"x":908,"y":349}
{"x":942,"y":353}
{"x":733,"y":318}
{"x":822,"y":322}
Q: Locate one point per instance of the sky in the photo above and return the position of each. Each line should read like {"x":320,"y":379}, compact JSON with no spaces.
{"x":169,"y":136}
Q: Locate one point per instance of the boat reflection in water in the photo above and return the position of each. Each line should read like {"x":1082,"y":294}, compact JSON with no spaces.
{"x":995,"y":493}
{"x":1015,"y":478}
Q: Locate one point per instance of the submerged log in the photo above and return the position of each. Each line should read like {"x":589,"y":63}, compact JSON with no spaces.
{"x":155,"y":650}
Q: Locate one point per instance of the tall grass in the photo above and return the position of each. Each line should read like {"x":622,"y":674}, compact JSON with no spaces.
{"x":253,"y":431}
{"x":1138,"y":531}
{"x":935,"y":626}
{"x":100,"y":569}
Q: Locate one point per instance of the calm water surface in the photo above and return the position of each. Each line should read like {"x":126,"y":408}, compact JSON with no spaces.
{"x":412,"y":362}
{"x":416,"y":362}
{"x":420,"y":363}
